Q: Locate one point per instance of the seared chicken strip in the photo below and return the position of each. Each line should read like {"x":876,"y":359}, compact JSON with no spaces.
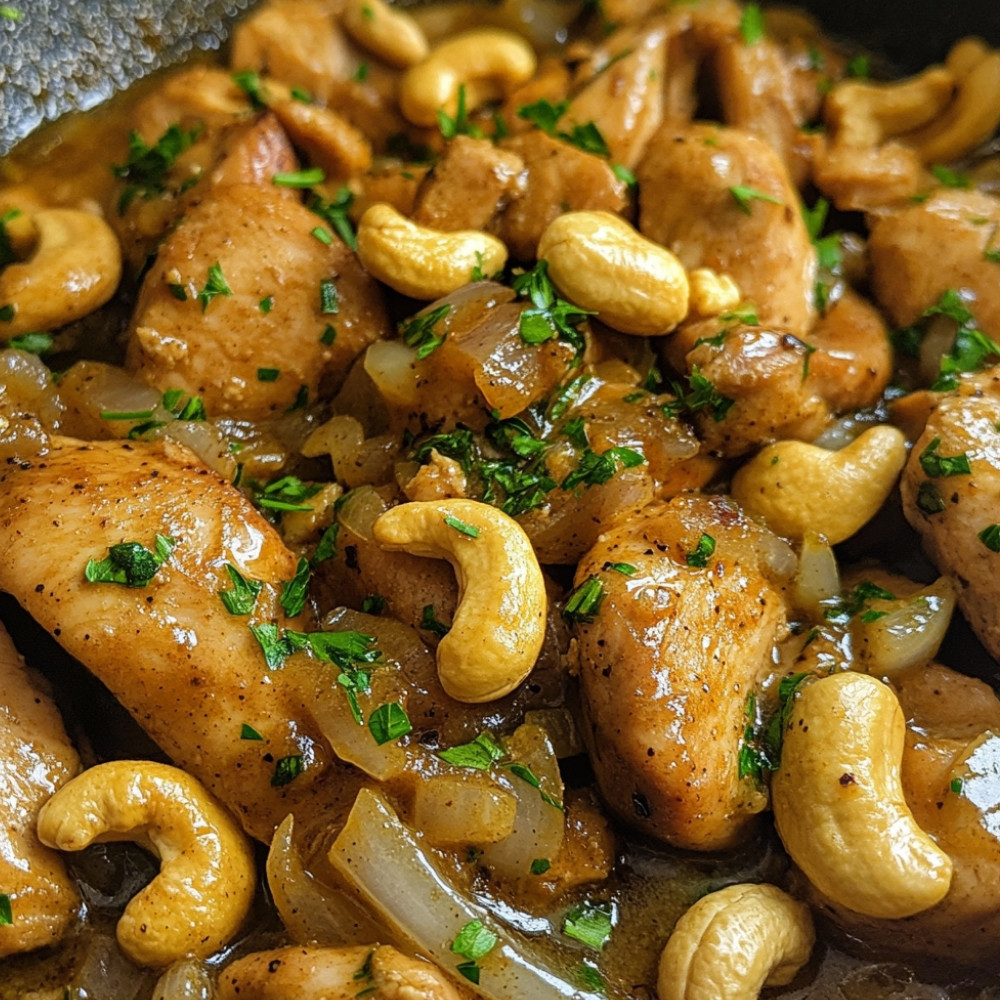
{"x":36,"y":759}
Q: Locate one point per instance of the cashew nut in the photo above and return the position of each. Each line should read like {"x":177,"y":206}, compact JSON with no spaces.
{"x":600,"y":262}
{"x":420,"y":262}
{"x":206,"y":882}
{"x":74,"y":269}
{"x":838,"y":801}
{"x":799,"y":488}
{"x":391,"y":35}
{"x":711,"y":293}
{"x":380,"y":972}
{"x":971,"y":118}
{"x":733,"y":942}
{"x":487,"y":62}
{"x":499,"y":625}
{"x":863,"y":113}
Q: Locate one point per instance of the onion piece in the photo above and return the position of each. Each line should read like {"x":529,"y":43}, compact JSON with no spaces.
{"x":311,"y":911}
{"x":185,"y":980}
{"x":540,"y":823}
{"x":818,"y":579}
{"x":383,"y":862}
{"x":463,"y":810}
{"x":908,"y":634}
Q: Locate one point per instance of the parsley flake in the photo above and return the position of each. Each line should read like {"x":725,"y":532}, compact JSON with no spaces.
{"x":990,"y":537}
{"x":9,"y":13}
{"x":33,"y":343}
{"x":595,"y":470}
{"x":540,"y":866}
{"x":336,"y":213}
{"x":287,"y":769}
{"x":589,"y":978}
{"x":626,"y":569}
{"x":474,"y":941}
{"x":550,"y":316}
{"x":299,"y":178}
{"x":703,"y":551}
{"x":430,"y":622}
{"x":584,"y":602}
{"x":329,"y":298}
{"x":480,"y":754}
{"x":940,"y":466}
{"x":129,"y":563}
{"x":241,"y":598}
{"x":459,"y":525}
{"x":146,"y":168}
{"x":419,"y":332}
{"x":6,"y":913}
{"x":950,"y":178}
{"x":744,"y":196}
{"x":293,"y":593}
{"x":268,"y":374}
{"x":590,"y":923}
{"x":214,"y":286}
{"x":929,"y":499}
{"x":389,"y":722}
{"x":752,"y":24}
{"x":841,"y":609}
{"x":249,"y":733}
{"x":956,"y":785}
{"x":701,"y":395}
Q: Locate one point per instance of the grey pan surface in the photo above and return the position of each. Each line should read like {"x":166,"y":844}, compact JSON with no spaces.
{"x":61,"y":55}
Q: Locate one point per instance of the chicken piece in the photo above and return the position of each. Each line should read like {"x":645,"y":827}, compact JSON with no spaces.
{"x":920,"y":250}
{"x":949,"y":780}
{"x":722,"y":199}
{"x":188,"y":671}
{"x":561,"y":178}
{"x":468,"y":186}
{"x":950,"y":508}
{"x":863,"y":178}
{"x":252,"y":153}
{"x":36,"y":759}
{"x":624,"y":98}
{"x":328,"y":140}
{"x":246,"y":308}
{"x":669,"y":660}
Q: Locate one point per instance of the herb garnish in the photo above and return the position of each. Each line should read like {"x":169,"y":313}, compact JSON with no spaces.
{"x":214,"y":286}
{"x":130,"y":563}
{"x":241,"y":598}
{"x":419,"y":332}
{"x":6,"y":913}
{"x":287,"y":769}
{"x":752,"y":24}
{"x":990,"y":537}
{"x":743,"y":196}
{"x":702,"y":552}
{"x":146,"y":168}
{"x":389,"y":722}
{"x":590,"y":923}
{"x":336,"y":214}
{"x":249,"y":733}
{"x":701,"y":395}
{"x":550,"y":316}
{"x":940,"y":466}
{"x":584,"y":602}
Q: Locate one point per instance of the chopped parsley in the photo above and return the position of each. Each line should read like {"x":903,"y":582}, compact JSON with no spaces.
{"x":550,"y":316}
{"x":322,"y":234}
{"x":525,"y":773}
{"x":591,"y":923}
{"x":624,"y":174}
{"x":992,"y":255}
{"x":829,"y":253}
{"x":470,"y":970}
{"x":343,"y":649}
{"x":460,"y":124}
{"x":480,"y":754}
{"x":268,"y":374}
{"x":299,"y":178}
{"x":241,"y":598}
{"x":595,"y":470}
{"x":589,"y":978}
{"x":336,"y":214}
{"x":287,"y":769}
{"x":389,"y":722}
{"x":859,"y":67}
{"x":990,"y":537}
{"x":545,"y":115}
{"x":950,"y":178}
{"x":355,"y":681}
{"x":752,"y":24}
{"x":7,"y":312}
{"x":430,"y":622}
{"x":850,"y":603}
{"x":215,"y":285}
{"x":929,"y":499}
{"x":626,"y":569}
{"x":760,"y":749}
{"x":251,"y":84}
{"x":744,"y":196}
{"x":584,"y":602}
{"x":460,"y":526}
{"x":33,"y":343}
{"x":6,"y":914}
{"x":7,"y":255}
{"x":293,"y":593}
{"x":419,"y":332}
{"x":130,"y":563}
{"x":329,"y":299}
{"x":701,"y":395}
{"x":956,"y":785}
{"x":474,"y":941}
{"x":329,"y":334}
{"x":703,"y":551}
{"x":146,"y":168}
{"x":940,"y":466}
{"x":285,"y":494}
{"x":327,"y":547}
{"x":249,"y":733}
{"x":540,"y":866}
{"x":374,"y":604}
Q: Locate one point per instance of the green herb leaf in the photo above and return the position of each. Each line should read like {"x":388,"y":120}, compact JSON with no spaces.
{"x":525,"y":773}
{"x":956,"y":785}
{"x":329,"y":334}
{"x":419,"y":332}
{"x":470,"y":970}
{"x":389,"y":722}
{"x":430,"y":622}
{"x":6,"y":914}
{"x":752,"y":24}
{"x":950,"y":178}
{"x":459,"y":525}
{"x":460,"y":124}
{"x":584,"y":602}
{"x":214,"y":286}
{"x":268,"y":374}
{"x":287,"y":769}
{"x":544,"y":114}
{"x":626,"y":569}
{"x":588,"y":138}
{"x":241,"y":598}
{"x":590,"y":923}
{"x":702,"y":552}
{"x":859,"y":67}
{"x":251,"y":84}
{"x":990,"y":537}
{"x":744,"y":196}
{"x":589,"y":978}
{"x":594,"y":470}
{"x":624,"y":175}
{"x":355,"y":681}
{"x":540,"y":866}
{"x":32,"y":343}
{"x":293,"y":593}
{"x":7,"y":312}
{"x":327,"y":547}
{"x":285,"y":494}
{"x":701,"y":395}
{"x":299,"y":178}
{"x":929,"y":499}
{"x":939,"y":466}
{"x":322,"y":234}
{"x":550,"y":316}
{"x":249,"y":733}
{"x":853,"y":602}
{"x":474,"y":941}
{"x":337,"y":214}
{"x":129,"y":563}
{"x":480,"y":754}
{"x":146,"y":169}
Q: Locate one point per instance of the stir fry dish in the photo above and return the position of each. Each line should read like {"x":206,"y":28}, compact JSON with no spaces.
{"x":505,"y":501}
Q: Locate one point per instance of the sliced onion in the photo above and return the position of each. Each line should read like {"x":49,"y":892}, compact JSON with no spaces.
{"x":383,"y":862}
{"x":910,"y":634}
{"x":310,"y":910}
{"x":539,"y":825}
{"x":462,"y":810}
{"x":207,"y":441}
{"x":186,"y":980}
{"x":818,"y":579}
{"x":391,"y":365}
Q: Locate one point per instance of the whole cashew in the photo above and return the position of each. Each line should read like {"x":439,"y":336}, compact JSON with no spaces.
{"x":863,"y":113}
{"x":391,"y":35}
{"x":206,"y":882}
{"x":487,"y":62}
{"x":380,"y":972}
{"x":74,"y":269}
{"x":600,"y":262}
{"x":733,"y":942}
{"x":420,"y":262}
{"x":799,"y":488}
{"x":499,"y":625}
{"x":970,"y":119}
{"x":838,"y":801}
